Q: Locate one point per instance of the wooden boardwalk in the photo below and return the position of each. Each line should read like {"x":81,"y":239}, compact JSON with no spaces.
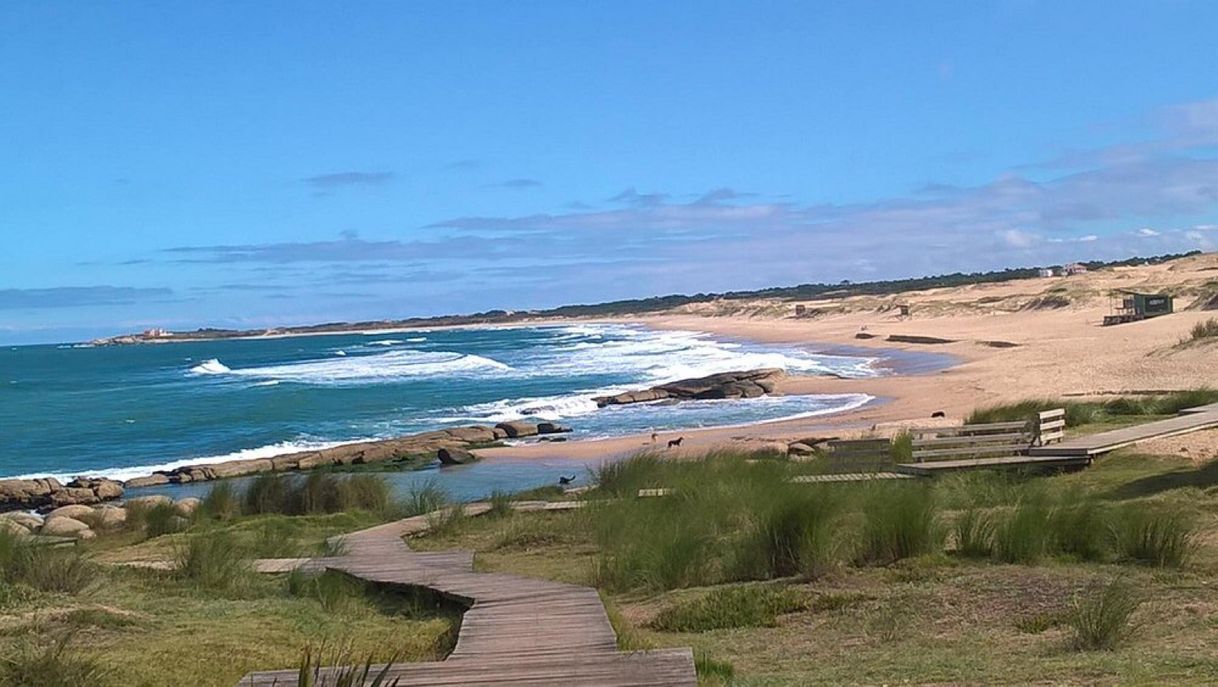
{"x":516,"y":630}
{"x":1192,"y":420}
{"x":936,"y":467}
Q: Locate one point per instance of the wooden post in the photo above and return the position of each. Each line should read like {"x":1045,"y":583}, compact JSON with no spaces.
{"x":1050,"y":425}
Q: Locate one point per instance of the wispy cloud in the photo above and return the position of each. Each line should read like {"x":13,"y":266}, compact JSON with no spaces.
{"x":78,"y":296}
{"x":517,"y":184}
{"x":340,"y":179}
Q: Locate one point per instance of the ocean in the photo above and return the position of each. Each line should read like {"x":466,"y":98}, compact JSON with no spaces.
{"x":124,"y":411}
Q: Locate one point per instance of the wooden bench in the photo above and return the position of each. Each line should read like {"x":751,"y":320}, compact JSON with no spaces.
{"x":859,"y":455}
{"x":990,"y":439}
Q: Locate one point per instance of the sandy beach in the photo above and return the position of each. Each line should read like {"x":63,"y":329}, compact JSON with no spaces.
{"x":1014,"y":340}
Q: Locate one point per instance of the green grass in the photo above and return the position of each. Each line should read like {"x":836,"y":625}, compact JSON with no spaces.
{"x":730,"y":607}
{"x":54,"y":664}
{"x":214,"y":562}
{"x":1091,"y":412}
{"x":1159,"y":536}
{"x":1102,"y":617}
{"x":900,"y":521}
{"x":1023,"y":534}
{"x":46,"y":569}
{"x":316,"y":493}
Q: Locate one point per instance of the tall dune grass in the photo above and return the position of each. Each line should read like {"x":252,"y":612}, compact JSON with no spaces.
{"x":1087,"y":412}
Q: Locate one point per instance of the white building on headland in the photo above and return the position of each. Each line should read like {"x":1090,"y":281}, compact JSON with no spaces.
{"x":155,"y":333}
{"x":1045,"y":272}
{"x":1075,"y":268}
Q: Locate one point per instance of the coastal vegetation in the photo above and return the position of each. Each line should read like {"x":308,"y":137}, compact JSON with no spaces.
{"x":1065,"y":577}
{"x":1080,"y":413}
{"x":1030,"y":576}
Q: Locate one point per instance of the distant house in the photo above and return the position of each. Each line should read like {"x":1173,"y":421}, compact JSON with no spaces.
{"x":155,"y":333}
{"x":1045,"y":272}
{"x":1075,"y":268}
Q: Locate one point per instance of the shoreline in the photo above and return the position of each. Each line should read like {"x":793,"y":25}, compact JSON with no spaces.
{"x":823,"y":385}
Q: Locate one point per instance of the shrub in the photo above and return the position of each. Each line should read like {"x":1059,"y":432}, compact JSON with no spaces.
{"x":420,"y":500}
{"x":711,"y":671}
{"x":160,"y":519}
{"x":974,"y":532}
{"x":754,"y":606}
{"x":56,"y":665}
{"x":267,"y":493}
{"x":1022,"y":535}
{"x":63,"y":570}
{"x":797,"y":534}
{"x":1101,"y":617}
{"x":333,"y":590}
{"x":221,"y":503}
{"x":213,"y":561}
{"x":901,"y":450}
{"x":501,"y":504}
{"x":901,"y":520}
{"x":1080,"y":527}
{"x":363,"y":492}
{"x":1203,"y":331}
{"x":1160,"y":536}
{"x":316,"y":670}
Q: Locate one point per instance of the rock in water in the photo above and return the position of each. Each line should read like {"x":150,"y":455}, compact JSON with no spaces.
{"x":455,"y":456}
{"x":745,"y":384}
{"x":515,"y":430}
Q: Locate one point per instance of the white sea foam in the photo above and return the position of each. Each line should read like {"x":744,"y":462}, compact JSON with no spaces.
{"x":416,"y":339}
{"x":125,"y":473}
{"x":365,"y":368}
{"x":340,"y":352}
{"x":386,"y":342}
{"x":657,"y":357}
{"x":210,"y":367}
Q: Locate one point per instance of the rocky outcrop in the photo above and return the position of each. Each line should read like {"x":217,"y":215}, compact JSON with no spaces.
{"x":747,"y":384}
{"x":63,"y":527}
{"x":425,"y":445}
{"x":18,"y":494}
{"x":455,"y":456}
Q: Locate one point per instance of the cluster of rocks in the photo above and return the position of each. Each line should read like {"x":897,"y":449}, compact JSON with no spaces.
{"x":80,"y":521}
{"x":450,"y":446}
{"x":433,"y":445}
{"x":47,"y":492}
{"x":745,"y":384}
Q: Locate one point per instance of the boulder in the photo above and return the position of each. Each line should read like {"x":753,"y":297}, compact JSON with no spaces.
{"x":515,"y":430}
{"x":150,"y":501}
{"x":104,"y":489}
{"x":149,"y":481}
{"x":84,"y":534}
{"x":72,"y":495}
{"x":16,"y":493}
{"x":551,"y":428}
{"x":186,"y":507}
{"x":62,"y":527}
{"x":29,"y":521}
{"x":455,"y":456}
{"x":13,"y":527}
{"x":109,"y":517}
{"x":800,"y":449}
{"x":743,"y":384}
{"x":76,"y":511}
{"x":472,"y":435}
{"x":500,"y":433}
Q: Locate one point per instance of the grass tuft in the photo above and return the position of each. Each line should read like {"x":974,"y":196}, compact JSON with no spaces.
{"x":54,"y":665}
{"x":1159,"y":536}
{"x":214,"y":562}
{"x":1102,"y":616}
{"x":730,"y":607}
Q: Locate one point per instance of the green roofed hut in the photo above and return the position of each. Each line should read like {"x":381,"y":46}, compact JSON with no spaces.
{"x":1132,"y":306}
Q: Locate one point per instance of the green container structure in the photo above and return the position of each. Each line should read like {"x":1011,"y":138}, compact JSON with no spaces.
{"x":1131,"y":306}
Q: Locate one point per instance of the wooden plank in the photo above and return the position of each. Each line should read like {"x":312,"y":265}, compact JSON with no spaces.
{"x":970,"y":429}
{"x":971,"y":439}
{"x":1052,"y":414}
{"x":664,"y":491}
{"x":1103,"y":442}
{"x":1052,"y":424}
{"x":849,"y":477}
{"x":943,"y":466}
{"x":971,"y":451}
{"x":515,"y":631}
{"x":1052,"y":436}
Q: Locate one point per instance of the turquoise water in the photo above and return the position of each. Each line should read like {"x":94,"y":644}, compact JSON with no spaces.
{"x":127,"y":410}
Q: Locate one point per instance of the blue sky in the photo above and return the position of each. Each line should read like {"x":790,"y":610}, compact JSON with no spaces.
{"x":183,"y":164}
